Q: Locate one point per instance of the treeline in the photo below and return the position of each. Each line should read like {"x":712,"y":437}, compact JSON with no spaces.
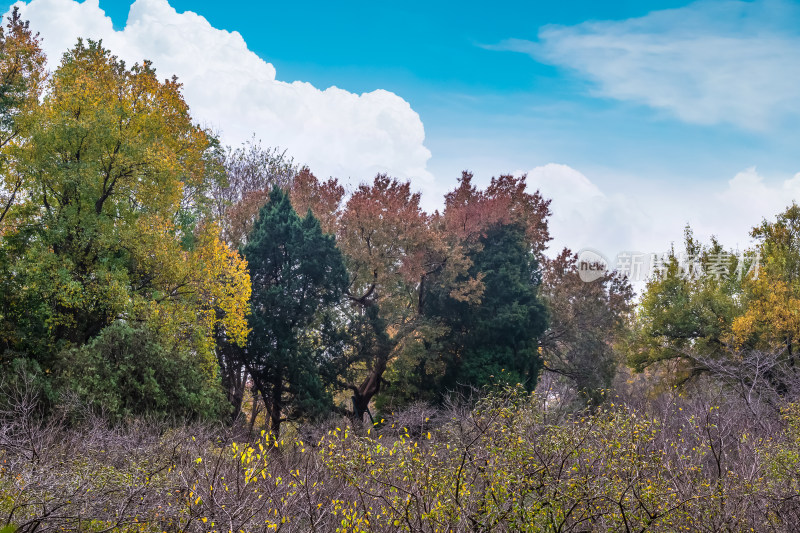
{"x":148,"y":270}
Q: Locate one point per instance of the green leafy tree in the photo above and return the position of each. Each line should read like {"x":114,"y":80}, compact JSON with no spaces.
{"x":249,"y":173}
{"x":687,"y":309}
{"x":496,"y":339}
{"x":22,"y":76}
{"x":109,"y":225}
{"x":22,"y":73}
{"x":297,"y":275}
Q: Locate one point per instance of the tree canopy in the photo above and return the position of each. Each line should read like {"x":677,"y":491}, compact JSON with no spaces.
{"x":128,"y":233}
{"x":111,"y":169}
{"x":297,"y":275}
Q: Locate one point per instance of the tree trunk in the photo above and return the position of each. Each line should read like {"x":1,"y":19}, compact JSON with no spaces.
{"x":233,"y":381}
{"x":236,"y":395}
{"x":274,"y":401}
{"x":381,"y":347}
{"x":233,"y":374}
{"x":363,"y":394}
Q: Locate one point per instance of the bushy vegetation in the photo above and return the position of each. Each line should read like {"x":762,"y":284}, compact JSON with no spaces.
{"x":125,"y":371}
{"x":509,"y":462}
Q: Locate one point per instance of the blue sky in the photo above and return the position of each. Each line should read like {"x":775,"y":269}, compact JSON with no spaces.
{"x":488,"y":110}
{"x":636,"y":117}
{"x":432,"y":57}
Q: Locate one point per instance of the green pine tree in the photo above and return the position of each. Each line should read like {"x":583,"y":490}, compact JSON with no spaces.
{"x":298,"y":275}
{"x":496,"y":340}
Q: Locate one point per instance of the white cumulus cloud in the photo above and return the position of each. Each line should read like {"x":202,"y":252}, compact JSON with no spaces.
{"x":235,"y":92}
{"x":709,"y":62}
{"x":583,"y":215}
{"x":648,"y":219}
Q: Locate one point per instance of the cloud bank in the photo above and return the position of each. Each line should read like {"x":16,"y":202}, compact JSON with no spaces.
{"x":235,"y":92}
{"x":648,"y":219}
{"x":710,"y":62}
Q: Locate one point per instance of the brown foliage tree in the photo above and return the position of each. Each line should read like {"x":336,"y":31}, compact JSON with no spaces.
{"x":393,"y":249}
{"x":586,"y":319}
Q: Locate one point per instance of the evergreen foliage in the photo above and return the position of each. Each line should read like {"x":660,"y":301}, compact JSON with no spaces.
{"x":298,"y":276}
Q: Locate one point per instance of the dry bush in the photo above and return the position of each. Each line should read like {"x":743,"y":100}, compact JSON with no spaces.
{"x":692,"y":460}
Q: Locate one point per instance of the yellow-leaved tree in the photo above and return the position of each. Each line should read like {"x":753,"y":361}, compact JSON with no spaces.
{"x":111,"y":224}
{"x":772,"y":318}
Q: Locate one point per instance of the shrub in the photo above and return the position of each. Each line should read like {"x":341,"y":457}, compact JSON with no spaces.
{"x":127,"y":370}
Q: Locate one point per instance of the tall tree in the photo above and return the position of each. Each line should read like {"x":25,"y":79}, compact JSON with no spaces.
{"x":587,"y":321}
{"x":113,"y":170}
{"x":771,"y":320}
{"x":22,"y":76}
{"x":298,"y":275}
{"x":495,"y":339}
{"x":687,"y":309}
{"x":384,"y":234}
{"x":248,"y":174}
{"x":389,"y":249}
